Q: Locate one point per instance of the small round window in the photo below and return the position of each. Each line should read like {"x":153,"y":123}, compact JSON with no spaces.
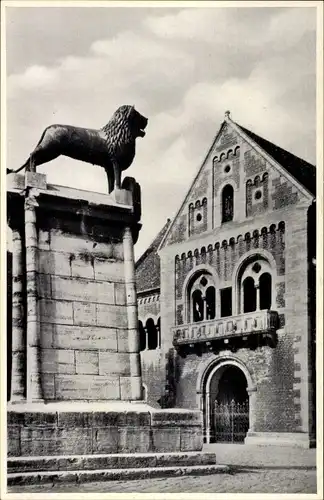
{"x":256,"y":268}
{"x":203,"y":281}
{"x":199,"y":217}
{"x":227,"y":169}
{"x":258,"y":195}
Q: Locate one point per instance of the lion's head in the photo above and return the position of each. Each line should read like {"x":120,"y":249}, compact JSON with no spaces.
{"x":126,"y":124}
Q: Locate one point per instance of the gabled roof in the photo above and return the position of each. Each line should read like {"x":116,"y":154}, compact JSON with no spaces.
{"x":192,"y":184}
{"x":147,"y":268}
{"x":301,"y":170}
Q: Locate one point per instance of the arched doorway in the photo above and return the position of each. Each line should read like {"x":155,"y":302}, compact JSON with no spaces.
{"x":227,"y":404}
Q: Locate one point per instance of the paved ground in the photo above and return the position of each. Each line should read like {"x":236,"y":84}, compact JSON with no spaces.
{"x":255,"y":470}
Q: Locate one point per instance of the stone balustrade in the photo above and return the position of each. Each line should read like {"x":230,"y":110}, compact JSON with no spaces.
{"x":225,"y":328}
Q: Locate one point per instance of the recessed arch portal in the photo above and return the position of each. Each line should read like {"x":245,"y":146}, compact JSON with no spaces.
{"x":225,"y":390}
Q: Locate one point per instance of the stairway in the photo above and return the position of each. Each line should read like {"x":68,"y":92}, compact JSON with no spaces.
{"x":90,"y":468}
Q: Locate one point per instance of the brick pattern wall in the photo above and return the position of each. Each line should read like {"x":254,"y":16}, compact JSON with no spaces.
{"x":281,"y":374}
{"x":227,"y":169}
{"x":253,"y":163}
{"x":272,"y":373}
{"x":280,"y":294}
{"x":227,"y":139}
{"x":198,"y":217}
{"x":224,"y":256}
{"x":235,"y":162}
{"x":200,"y":187}
{"x":257,"y":195}
{"x":179,"y":230}
{"x":283,"y":194}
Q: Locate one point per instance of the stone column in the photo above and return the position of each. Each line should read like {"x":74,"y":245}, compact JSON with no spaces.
{"x":158,"y":331}
{"x":257,"y":287}
{"x":218,"y":304}
{"x":33,"y":390}
{"x":132,"y":316}
{"x":18,"y":315}
{"x":252,"y":408}
{"x":208,"y":416}
{"x":146,"y":338}
{"x":240,"y":307}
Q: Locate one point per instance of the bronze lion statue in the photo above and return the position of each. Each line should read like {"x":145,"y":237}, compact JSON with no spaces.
{"x":111,"y":147}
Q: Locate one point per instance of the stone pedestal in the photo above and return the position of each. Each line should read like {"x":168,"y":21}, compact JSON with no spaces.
{"x":75,"y":320}
{"x":76,"y":371}
{"x":101,"y":428}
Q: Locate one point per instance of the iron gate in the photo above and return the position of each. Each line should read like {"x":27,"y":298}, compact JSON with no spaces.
{"x":231,"y":421}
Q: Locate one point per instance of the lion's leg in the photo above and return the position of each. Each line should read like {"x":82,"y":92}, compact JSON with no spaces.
{"x":31,"y":165}
{"x":117,"y":174}
{"x":110,"y":177}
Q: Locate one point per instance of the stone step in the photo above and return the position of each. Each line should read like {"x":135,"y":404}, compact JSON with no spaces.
{"x":83,"y":476}
{"x":109,"y":461}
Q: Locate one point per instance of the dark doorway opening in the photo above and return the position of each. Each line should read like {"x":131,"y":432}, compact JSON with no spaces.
{"x":249,"y":295}
{"x":229,"y":406}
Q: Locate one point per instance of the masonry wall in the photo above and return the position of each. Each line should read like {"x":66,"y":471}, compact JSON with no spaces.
{"x":269,"y":220}
{"x":148,"y":307}
{"x":82,"y":310}
{"x":272,"y":373}
{"x":282,"y":375}
{"x":258,"y":187}
{"x":153,"y":361}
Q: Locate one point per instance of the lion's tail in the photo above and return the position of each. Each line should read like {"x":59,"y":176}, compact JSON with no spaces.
{"x":10,"y":171}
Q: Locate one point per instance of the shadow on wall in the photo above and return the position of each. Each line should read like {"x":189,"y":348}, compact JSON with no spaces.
{"x":168,"y":399}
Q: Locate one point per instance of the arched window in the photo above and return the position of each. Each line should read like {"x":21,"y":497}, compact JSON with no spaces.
{"x":142,"y":336}
{"x":197,"y":306}
{"x":158,"y":327}
{"x":152,"y":336}
{"x":265,"y":291}
{"x":201,"y":298}
{"x":210,"y":302}
{"x":249,"y":295}
{"x":227,"y":203}
{"x":255,"y":285}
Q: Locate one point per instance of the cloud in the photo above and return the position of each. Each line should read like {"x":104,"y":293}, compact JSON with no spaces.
{"x":231,"y":27}
{"x":182,"y":68}
{"x":33,"y":78}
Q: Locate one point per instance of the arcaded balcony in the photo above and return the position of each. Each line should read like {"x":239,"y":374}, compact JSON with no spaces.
{"x":251,"y":330}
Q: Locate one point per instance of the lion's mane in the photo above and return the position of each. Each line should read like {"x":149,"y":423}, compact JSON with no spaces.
{"x":118,"y":130}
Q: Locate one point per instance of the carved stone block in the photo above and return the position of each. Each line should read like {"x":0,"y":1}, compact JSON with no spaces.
{"x":35,"y":180}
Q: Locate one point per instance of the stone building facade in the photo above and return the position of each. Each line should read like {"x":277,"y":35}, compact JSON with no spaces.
{"x":226,"y":295}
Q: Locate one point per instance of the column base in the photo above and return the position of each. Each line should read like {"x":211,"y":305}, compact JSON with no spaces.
{"x":295,"y":439}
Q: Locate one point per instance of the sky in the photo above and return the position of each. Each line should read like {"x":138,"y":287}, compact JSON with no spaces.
{"x":180,"y":67}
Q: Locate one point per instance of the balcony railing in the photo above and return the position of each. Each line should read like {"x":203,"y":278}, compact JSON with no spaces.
{"x":260,"y":322}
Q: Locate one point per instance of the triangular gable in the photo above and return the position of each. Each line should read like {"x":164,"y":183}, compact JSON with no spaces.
{"x":197,"y":183}
{"x":300,"y":174}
